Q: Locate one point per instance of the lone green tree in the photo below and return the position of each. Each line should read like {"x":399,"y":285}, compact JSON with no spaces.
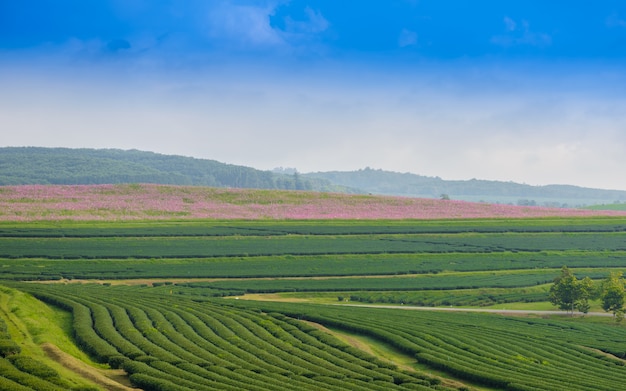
{"x":587,"y":291}
{"x":569,"y":294}
{"x":613,"y":295}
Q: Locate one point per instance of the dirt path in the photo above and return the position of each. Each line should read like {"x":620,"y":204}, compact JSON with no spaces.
{"x":150,"y":281}
{"x":354,"y":342}
{"x":110,"y":379}
{"x":494,"y":311}
{"x":367,"y":347}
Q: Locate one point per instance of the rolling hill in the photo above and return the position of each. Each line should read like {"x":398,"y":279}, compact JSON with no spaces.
{"x":412,"y":185}
{"x":65,"y":166}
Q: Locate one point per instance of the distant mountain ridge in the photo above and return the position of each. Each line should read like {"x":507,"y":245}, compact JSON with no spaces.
{"x":407,"y":184}
{"x":38,"y":165}
{"x":67,"y":166}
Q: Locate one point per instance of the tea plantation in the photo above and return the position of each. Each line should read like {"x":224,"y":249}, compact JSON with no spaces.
{"x":157,"y":300}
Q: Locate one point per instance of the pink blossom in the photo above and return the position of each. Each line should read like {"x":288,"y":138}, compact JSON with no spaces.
{"x":132,"y":202}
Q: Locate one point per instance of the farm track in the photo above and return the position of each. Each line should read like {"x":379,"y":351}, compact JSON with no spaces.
{"x":480,"y":310}
{"x":105,"y":379}
{"x":275,"y":298}
{"x":401,"y":360}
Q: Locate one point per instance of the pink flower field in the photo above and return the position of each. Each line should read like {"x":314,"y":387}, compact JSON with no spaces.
{"x":135,"y":202}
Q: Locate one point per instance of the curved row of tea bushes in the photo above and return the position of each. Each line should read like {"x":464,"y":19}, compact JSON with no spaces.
{"x":7,"y":345}
{"x":10,"y":374}
{"x":491,"y":350}
{"x":251,"y":337}
{"x":153,"y":354}
{"x":163,"y":340}
{"x":86,"y":336}
{"x":21,"y":373}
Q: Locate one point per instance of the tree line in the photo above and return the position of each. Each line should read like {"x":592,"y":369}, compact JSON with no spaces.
{"x":66,"y":166}
{"x":570,"y":293}
{"x":378,"y":181}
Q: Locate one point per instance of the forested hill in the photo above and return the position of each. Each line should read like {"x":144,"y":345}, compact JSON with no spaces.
{"x":407,"y":184}
{"x":35,"y":165}
{"x":65,"y":166}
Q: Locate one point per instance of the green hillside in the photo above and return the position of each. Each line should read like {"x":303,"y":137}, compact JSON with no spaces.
{"x":614,"y":206}
{"x":65,"y":166}
{"x":407,"y":184}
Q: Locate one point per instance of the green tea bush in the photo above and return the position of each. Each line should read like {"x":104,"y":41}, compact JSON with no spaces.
{"x":34,"y":367}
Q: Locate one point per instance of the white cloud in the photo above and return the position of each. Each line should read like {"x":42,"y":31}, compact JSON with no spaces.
{"x":244,"y":25}
{"x":249,"y":27}
{"x":614,"y":20}
{"x":520,"y":35}
{"x":510,"y":24}
{"x":315,"y":23}
{"x":407,"y":38}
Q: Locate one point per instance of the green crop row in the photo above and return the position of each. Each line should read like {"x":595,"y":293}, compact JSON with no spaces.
{"x":8,"y":347}
{"x":321,"y":227}
{"x":457,"y":298}
{"x":169,"y":336}
{"x":300,"y":266}
{"x":166,"y":339}
{"x":271,"y":244}
{"x":181,"y":247}
{"x":21,"y":373}
{"x":177,"y":336}
{"x":444,"y":281}
{"x":496,"y":351}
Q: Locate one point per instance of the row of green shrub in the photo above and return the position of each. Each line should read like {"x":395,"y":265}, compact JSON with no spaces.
{"x":458,"y":298}
{"x":507,"y":353}
{"x":328,"y":227}
{"x":7,"y":345}
{"x":22,"y":373}
{"x":300,"y":266}
{"x":163,"y":339}
{"x":270,"y":245}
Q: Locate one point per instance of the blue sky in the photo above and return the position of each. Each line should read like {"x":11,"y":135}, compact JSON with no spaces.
{"x":525,"y":91}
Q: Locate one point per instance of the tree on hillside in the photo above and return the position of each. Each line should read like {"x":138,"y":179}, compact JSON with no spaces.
{"x":613,"y":295}
{"x":587,"y":291}
{"x":569,"y":293}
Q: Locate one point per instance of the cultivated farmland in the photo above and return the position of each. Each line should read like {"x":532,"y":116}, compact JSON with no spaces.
{"x":163,"y":300}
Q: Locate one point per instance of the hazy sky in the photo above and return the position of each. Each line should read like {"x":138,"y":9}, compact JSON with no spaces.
{"x":527,"y":91}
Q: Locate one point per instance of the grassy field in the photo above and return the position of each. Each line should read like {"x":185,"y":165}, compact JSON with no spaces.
{"x":44,"y":334}
{"x":66,"y":289}
{"x":619,"y":207}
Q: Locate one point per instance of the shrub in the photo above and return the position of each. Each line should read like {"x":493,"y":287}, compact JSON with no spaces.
{"x":34,"y":367}
{"x":8,"y":347}
{"x":117,"y":361}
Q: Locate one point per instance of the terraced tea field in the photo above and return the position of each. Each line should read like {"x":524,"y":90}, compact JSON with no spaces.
{"x":157,"y":300}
